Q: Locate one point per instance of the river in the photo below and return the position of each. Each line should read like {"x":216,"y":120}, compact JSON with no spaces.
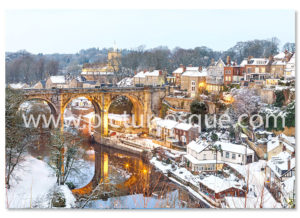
{"x":111,"y":178}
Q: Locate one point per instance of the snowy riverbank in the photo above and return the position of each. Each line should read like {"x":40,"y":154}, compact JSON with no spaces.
{"x":32,"y":183}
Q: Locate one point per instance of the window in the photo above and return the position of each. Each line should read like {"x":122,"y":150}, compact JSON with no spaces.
{"x":221,"y":153}
{"x":204,"y":156}
{"x":233,"y":156}
{"x":193,"y":85}
{"x":227,"y":154}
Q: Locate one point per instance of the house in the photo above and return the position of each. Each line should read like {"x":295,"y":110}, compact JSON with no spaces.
{"x":281,"y":143}
{"x":279,"y":169}
{"x":257,"y":70}
{"x":201,"y":157}
{"x":215,"y":76}
{"x":56,"y":82}
{"x":171,"y":80}
{"x":185,"y":133}
{"x":90,"y":84}
{"x":40,"y":85}
{"x":177,"y":74}
{"x":289,"y":72}
{"x":103,"y":72}
{"x":233,"y":73}
{"x":277,"y":69}
{"x":139,"y":78}
{"x":153,"y":78}
{"x":194,"y":81}
{"x":217,"y":188}
{"x":74,"y":83}
{"x":119,"y":119}
{"x":162,"y":129}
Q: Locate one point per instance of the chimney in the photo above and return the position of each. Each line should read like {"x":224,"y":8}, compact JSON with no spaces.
{"x":190,"y":65}
{"x":212,"y":62}
{"x":160,"y":72}
{"x":283,"y":148}
{"x":271,"y":58}
{"x":293,"y":154}
{"x":134,"y":72}
{"x":289,"y":163}
{"x":200,"y":68}
{"x":286,"y":52}
{"x":228,"y":60}
{"x":249,"y":58}
{"x":181,"y":65}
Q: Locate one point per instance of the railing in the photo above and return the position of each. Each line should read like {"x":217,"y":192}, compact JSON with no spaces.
{"x":91,"y":90}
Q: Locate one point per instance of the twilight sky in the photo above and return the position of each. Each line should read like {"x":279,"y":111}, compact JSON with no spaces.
{"x":68,"y":31}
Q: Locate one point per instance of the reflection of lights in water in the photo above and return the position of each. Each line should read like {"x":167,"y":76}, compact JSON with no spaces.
{"x":105,"y":165}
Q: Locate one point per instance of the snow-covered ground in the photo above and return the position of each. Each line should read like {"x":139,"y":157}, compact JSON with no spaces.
{"x":257,"y":196}
{"x":31,"y":186}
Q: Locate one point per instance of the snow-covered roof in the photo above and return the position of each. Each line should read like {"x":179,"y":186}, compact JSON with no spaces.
{"x":243,"y":63}
{"x":197,"y":146}
{"x":258,"y":61}
{"x":195,"y":161}
{"x":289,"y":139}
{"x":239,"y":149}
{"x":218,"y":185}
{"x":280,"y":161}
{"x":18,"y":85}
{"x":275,"y":142}
{"x":281,"y":55}
{"x":140,"y":75}
{"x":58,"y":79}
{"x":153,"y":73}
{"x":119,"y":117}
{"x":292,"y":59}
{"x":184,"y":126}
{"x":125,"y":82}
{"x":168,"y":124}
{"x":279,"y":63}
{"x":179,"y":70}
{"x":195,"y":72}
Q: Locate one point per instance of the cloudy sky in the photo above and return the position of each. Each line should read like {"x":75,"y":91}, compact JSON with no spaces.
{"x":68,"y":31}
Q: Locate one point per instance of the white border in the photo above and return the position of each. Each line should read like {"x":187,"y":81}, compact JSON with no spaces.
{"x":130,"y":4}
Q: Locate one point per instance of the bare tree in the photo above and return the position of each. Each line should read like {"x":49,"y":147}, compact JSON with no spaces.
{"x":15,"y":133}
{"x":64,"y":152}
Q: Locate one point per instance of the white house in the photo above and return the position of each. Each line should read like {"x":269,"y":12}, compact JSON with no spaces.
{"x":201,"y":156}
{"x":289,"y":72}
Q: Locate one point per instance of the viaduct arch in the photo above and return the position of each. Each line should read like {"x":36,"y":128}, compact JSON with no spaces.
{"x":145,"y":101}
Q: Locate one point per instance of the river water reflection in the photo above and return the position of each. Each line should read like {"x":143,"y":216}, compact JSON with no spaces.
{"x":112,"y":178}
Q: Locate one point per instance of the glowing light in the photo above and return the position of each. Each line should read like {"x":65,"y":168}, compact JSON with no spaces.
{"x":145,"y":171}
{"x":202,"y":84}
{"x":127,"y":165}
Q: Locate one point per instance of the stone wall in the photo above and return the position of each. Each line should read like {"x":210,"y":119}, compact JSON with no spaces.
{"x":268,"y":96}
